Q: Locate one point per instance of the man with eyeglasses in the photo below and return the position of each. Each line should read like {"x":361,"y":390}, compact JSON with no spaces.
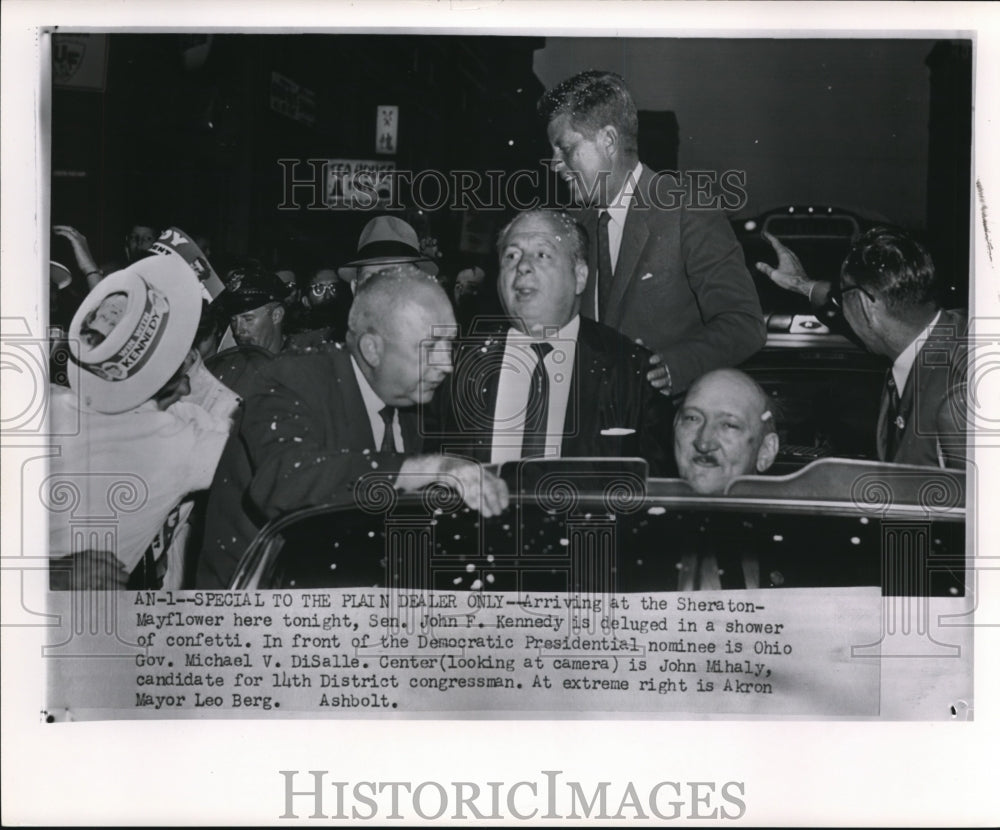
{"x":886,"y":295}
{"x":327,"y":302}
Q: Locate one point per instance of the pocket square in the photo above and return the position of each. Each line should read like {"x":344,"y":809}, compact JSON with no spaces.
{"x":646,"y":277}
{"x":614,"y":431}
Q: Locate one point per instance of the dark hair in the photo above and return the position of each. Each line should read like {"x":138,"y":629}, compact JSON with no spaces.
{"x":579,"y":239}
{"x":594,"y":99}
{"x":145,"y":222}
{"x":211,"y":323}
{"x":892,"y":264}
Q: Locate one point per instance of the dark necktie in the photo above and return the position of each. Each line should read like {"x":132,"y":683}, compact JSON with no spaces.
{"x":893,"y":419}
{"x":388,"y":439}
{"x":536,"y":418}
{"x":605,"y":271}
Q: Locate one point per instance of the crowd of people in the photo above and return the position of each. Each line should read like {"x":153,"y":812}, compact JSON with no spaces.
{"x":219,"y":404}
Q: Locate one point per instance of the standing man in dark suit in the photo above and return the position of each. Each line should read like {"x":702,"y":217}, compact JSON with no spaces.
{"x":886,"y":295}
{"x":662,"y":271}
{"x":325,"y":418}
{"x":548,"y":382}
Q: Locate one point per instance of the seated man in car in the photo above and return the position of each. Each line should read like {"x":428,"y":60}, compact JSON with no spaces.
{"x":886,"y":295}
{"x":724,"y":429}
{"x":547,"y":382}
{"x":326,"y":423}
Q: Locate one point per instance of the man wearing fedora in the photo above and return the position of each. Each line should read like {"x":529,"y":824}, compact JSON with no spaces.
{"x":385,"y":240}
{"x":135,"y":438}
{"x":324,"y":419}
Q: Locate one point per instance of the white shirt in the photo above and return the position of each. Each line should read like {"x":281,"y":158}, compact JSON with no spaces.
{"x":904,"y":362}
{"x":116,"y":478}
{"x":618,"y":211}
{"x":519,"y":361}
{"x":374,"y":406}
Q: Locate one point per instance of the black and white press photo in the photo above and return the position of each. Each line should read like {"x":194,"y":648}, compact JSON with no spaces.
{"x":378,"y":380}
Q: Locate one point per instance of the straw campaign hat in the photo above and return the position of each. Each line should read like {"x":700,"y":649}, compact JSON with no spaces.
{"x":133,"y":331}
{"x":388,"y":240}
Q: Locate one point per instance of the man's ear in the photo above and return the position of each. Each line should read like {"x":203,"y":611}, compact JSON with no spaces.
{"x":581,"y":271}
{"x":609,"y":140}
{"x":371,"y":345}
{"x":277,"y":314}
{"x":768,"y":452}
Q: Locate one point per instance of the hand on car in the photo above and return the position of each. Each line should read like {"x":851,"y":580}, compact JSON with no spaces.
{"x":789,"y":274}
{"x":480,"y":489}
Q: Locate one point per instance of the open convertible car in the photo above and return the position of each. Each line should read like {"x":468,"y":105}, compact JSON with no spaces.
{"x":603,"y":526}
{"x":827,"y":515}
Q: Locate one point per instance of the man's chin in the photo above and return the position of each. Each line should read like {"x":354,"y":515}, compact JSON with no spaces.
{"x":425,"y":393}
{"x":706,"y":481}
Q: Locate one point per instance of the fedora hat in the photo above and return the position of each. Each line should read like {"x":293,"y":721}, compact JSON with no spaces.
{"x":133,"y":331}
{"x":388,"y":240}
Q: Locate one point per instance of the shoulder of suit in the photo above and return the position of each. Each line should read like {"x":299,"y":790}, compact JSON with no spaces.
{"x":611,"y":342}
{"x":289,"y":366}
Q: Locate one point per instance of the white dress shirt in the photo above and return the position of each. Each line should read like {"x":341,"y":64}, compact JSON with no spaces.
{"x":374,"y":406}
{"x":618,"y":211}
{"x":519,"y":361}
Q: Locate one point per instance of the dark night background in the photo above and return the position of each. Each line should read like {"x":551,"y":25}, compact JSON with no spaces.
{"x":181,"y":130}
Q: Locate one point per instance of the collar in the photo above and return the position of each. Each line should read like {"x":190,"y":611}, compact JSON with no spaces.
{"x":373,"y":403}
{"x":904,"y":362}
{"x":569,"y":332}
{"x":620,"y":204}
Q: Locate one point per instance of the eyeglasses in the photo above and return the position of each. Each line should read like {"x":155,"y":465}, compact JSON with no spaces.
{"x":323,"y":289}
{"x":839,"y":290}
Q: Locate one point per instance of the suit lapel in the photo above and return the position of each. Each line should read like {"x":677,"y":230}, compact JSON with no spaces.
{"x":408,"y":427}
{"x":634,"y":236}
{"x":353,"y":409}
{"x":948,"y":327}
{"x":474,"y":388}
{"x":583,"y":406}
{"x":588,"y":303}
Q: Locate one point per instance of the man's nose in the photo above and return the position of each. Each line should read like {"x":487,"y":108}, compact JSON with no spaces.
{"x":444,"y":361}
{"x":706,"y":438}
{"x":439,"y":359}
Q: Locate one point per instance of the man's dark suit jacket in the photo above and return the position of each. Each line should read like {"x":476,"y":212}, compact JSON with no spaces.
{"x":303,"y":439}
{"x":608,"y":390}
{"x":680,"y":285}
{"x":932,"y":405}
